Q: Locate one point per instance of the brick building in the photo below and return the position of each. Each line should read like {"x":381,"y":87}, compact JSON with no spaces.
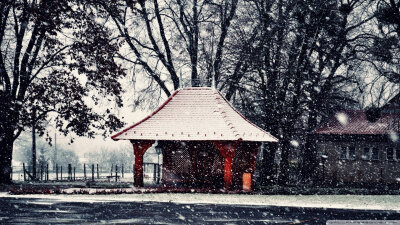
{"x":355,"y":146}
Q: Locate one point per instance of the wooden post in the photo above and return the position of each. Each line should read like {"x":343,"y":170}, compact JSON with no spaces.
{"x":84,"y":171}
{"x":97,"y":166}
{"x":69,"y":172}
{"x":74,"y":173}
{"x":23,"y":166}
{"x":139,"y":148}
{"x":92,"y":172}
{"x":47,"y":172}
{"x":155,"y":172}
{"x":158,"y":173}
{"x":116,"y":173}
{"x":56,"y":172}
{"x":61,"y":172}
{"x":111,"y":171}
{"x":34,"y":172}
{"x":41,"y":171}
{"x":122,"y":170}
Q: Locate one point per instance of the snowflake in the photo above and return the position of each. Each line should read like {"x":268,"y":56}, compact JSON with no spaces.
{"x":394,"y":136}
{"x":342,"y":118}
{"x":294,"y":143}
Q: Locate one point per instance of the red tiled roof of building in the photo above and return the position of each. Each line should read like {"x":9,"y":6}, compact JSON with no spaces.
{"x":355,"y":122}
{"x":195,"y":114}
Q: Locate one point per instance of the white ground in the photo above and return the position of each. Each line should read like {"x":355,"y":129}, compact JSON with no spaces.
{"x":370,"y":202}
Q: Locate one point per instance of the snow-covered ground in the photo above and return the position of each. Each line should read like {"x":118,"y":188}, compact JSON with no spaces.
{"x":369,"y":202}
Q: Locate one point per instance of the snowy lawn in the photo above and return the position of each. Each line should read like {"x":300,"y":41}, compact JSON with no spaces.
{"x":369,"y":202}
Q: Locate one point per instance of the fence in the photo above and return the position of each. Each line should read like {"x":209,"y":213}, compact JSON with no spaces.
{"x":94,"y":172}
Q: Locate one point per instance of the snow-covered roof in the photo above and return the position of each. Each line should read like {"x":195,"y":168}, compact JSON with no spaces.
{"x":355,"y":122}
{"x":195,"y":114}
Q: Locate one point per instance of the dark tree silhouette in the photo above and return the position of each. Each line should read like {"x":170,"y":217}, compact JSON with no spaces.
{"x":53,"y":53}
{"x":295,"y":70}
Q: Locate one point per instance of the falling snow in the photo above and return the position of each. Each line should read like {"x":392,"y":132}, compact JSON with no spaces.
{"x":294,"y":143}
{"x":394,"y":136}
{"x":342,"y":118}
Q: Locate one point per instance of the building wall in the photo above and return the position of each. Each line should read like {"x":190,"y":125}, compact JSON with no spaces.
{"x":357,"y":170}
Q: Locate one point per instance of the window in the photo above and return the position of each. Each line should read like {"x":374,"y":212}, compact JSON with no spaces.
{"x":343,"y":153}
{"x":347,"y":152}
{"x":370,"y":154}
{"x":375,"y":154}
{"x":352,"y":152}
{"x":366,"y":155}
{"x":389,"y":154}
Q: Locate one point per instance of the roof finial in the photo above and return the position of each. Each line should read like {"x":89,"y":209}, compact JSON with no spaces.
{"x":213,"y":83}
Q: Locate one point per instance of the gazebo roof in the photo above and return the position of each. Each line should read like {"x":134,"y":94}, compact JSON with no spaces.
{"x":195,"y":114}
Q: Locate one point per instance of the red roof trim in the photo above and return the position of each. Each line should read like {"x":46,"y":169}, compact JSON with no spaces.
{"x":357,"y":124}
{"x":146,"y":118}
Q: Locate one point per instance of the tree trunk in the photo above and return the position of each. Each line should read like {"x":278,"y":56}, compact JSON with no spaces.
{"x":284,"y":163}
{"x":6,"y":148}
{"x":309,"y":164}
{"x":7,"y":122}
{"x":268,"y":165}
{"x":33,"y":151}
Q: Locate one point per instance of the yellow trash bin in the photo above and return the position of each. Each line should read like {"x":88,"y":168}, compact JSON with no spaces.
{"x":247,"y":182}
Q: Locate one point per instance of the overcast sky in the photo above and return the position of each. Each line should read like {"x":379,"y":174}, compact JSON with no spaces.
{"x":84,"y":144}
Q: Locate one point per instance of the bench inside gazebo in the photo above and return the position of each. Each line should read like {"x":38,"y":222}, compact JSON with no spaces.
{"x":205,"y":142}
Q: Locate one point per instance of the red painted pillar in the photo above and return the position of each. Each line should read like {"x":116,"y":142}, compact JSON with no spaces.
{"x":139,"y":148}
{"x":227,"y":150}
{"x":228,"y":172}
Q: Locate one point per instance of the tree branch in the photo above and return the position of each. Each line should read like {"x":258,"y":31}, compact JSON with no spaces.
{"x":158,"y":52}
{"x":125,"y":34}
{"x":164,"y":39}
{"x":48,"y":62}
{"x":19,"y":36}
{"x":224,"y":32}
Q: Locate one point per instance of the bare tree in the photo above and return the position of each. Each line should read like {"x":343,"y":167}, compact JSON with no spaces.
{"x":300,"y":69}
{"x":169,"y":39}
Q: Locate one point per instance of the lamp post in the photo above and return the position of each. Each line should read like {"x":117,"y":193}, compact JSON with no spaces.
{"x":158,"y":149}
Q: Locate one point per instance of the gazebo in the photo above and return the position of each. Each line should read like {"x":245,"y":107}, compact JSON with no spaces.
{"x":205,"y":142}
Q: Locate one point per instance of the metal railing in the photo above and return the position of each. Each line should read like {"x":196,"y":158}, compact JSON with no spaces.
{"x":93,"y":172}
